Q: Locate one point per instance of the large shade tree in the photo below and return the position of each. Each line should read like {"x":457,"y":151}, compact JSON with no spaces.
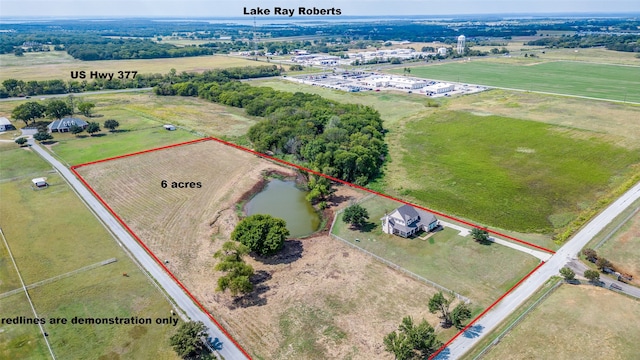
{"x":28,"y":111}
{"x":412,"y":342}
{"x":261,"y":233}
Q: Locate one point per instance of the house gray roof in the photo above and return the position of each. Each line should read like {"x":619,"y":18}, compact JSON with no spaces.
{"x":66,"y":123}
{"x":409,"y":212}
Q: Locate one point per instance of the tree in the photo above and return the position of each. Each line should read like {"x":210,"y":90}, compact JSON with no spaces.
{"x":439,"y":303}
{"x":590,"y":254}
{"x":187,"y":343}
{"x":592,"y":275}
{"x":75,"y":129}
{"x":85,"y":108}
{"x":111,"y":124}
{"x":460,"y":314}
{"x":42,"y":136}
{"x":602,"y":263}
{"x":18,"y":51}
{"x":21,"y":141}
{"x":261,"y":233}
{"x":93,"y":127}
{"x":567,"y":274}
{"x":238,"y":274}
{"x":412,"y":342}
{"x":57,"y":109}
{"x":355,"y":215}
{"x":480,"y":235}
{"x":28,"y":111}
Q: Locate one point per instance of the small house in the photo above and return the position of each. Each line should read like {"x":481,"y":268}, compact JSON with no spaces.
{"x":406,"y":221}
{"x":5,"y":124}
{"x":63,"y":125}
{"x":40,"y":182}
{"x":169,"y":127}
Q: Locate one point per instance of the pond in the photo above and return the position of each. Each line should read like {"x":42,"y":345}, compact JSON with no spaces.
{"x":282,"y":199}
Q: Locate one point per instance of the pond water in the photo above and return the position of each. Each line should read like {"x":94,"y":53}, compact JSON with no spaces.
{"x":282,"y":199}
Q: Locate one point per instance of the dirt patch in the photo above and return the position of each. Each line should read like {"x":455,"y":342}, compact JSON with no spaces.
{"x":319,"y":298}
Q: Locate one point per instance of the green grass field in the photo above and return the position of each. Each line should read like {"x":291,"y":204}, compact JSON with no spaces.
{"x":575,"y":322}
{"x":51,"y":232}
{"x":81,"y":150}
{"x":514,"y":174}
{"x":562,"y":77}
{"x":480,"y":272}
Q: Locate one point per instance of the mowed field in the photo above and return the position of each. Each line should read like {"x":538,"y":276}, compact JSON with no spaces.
{"x":479,"y":272}
{"x":59,"y":65}
{"x":514,"y":174}
{"x":52,"y":233}
{"x":320,"y":299}
{"x":603,"y":81}
{"x":575,"y":322}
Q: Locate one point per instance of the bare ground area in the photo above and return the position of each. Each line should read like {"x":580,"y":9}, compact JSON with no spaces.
{"x":318,"y":299}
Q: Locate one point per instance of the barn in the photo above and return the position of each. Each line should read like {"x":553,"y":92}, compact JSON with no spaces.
{"x":5,"y":124}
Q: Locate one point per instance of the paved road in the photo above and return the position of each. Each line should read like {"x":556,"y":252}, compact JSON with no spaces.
{"x":511,"y":302}
{"x":229,"y":350}
{"x":579,"y":268}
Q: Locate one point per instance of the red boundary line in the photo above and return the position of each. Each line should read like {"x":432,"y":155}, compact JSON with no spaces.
{"x":73,"y":168}
{"x":140,"y":152}
{"x":485,"y":311}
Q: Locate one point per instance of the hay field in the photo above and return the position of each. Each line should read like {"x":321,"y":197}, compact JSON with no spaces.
{"x":58,"y":65}
{"x":614,"y":121}
{"x":576,"y":322}
{"x":320,"y":299}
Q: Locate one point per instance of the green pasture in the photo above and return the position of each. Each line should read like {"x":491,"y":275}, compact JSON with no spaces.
{"x":603,"y":81}
{"x":513,"y":174}
{"x":51,"y":232}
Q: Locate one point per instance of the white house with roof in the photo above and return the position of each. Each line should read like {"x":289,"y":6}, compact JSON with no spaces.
{"x":406,"y":221}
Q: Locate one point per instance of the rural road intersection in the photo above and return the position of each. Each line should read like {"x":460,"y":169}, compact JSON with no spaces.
{"x":183,"y":301}
{"x":517,"y":297}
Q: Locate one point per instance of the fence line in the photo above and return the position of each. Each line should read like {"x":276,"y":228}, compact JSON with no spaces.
{"x":518,"y":320}
{"x":393,"y":265}
{"x":58,"y":277}
{"x":610,"y":234}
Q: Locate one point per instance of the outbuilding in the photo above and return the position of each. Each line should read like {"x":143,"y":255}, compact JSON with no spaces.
{"x":40,"y":182}
{"x":5,"y":124}
{"x":169,"y":127}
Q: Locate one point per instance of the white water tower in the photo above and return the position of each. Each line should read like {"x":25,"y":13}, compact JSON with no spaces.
{"x":460,"y":47}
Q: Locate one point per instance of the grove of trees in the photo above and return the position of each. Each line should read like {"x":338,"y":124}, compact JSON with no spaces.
{"x":28,"y":111}
{"x":237,"y":272}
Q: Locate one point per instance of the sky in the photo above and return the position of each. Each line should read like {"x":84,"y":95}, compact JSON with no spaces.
{"x":235,"y":8}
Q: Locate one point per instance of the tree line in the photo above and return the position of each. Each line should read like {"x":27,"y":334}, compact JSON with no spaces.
{"x":626,"y":43}
{"x":16,"y":88}
{"x":341,"y":140}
